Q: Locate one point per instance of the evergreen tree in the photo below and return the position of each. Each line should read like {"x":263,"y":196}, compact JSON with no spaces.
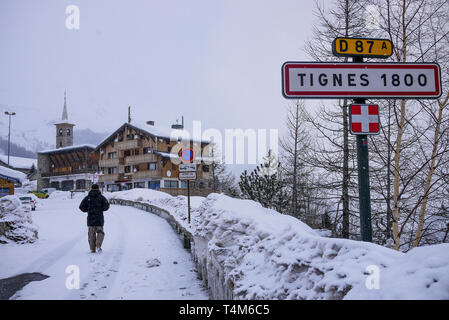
{"x":265,"y":185}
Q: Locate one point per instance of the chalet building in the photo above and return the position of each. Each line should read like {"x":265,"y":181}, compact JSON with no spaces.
{"x":9,"y":179}
{"x":138,"y":156}
{"x":67,"y":167}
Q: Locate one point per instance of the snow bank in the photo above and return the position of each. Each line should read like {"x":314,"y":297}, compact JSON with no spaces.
{"x":245,"y":251}
{"x":15,"y":222}
{"x":66,"y":195}
{"x":266,"y":255}
{"x":138,"y":194}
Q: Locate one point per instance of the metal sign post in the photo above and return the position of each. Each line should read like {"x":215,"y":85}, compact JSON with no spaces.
{"x":188,"y":201}
{"x":187,"y":172}
{"x":366,"y":230}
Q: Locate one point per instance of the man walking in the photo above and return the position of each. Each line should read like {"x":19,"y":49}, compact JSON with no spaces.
{"x":94,"y":204}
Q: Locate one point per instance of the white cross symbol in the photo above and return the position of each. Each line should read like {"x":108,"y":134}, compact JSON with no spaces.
{"x":365,"y":119}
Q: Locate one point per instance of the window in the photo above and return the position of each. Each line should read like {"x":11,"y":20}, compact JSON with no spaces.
{"x":112,"y":170}
{"x":60,"y":132}
{"x":68,"y":132}
{"x":135,"y":168}
{"x":112,"y":155}
{"x":113,"y":187}
{"x":136,"y":152}
{"x":170,"y":184}
{"x":127,"y":153}
{"x":154,"y":184}
{"x":205,"y":168}
{"x":139,"y":185}
{"x":127,"y":169}
{"x":147,"y":150}
{"x":184,"y":184}
{"x":152,"y":166}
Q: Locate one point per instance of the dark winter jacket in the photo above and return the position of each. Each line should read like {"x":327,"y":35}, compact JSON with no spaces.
{"x":94,"y":204}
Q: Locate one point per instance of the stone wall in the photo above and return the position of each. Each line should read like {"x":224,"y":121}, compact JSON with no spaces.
{"x":43,"y":167}
{"x":209,"y":269}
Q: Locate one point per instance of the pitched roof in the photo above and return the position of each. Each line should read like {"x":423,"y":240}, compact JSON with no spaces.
{"x":12,"y":175}
{"x":18,"y":162}
{"x":81,"y":146}
{"x":153,"y":131}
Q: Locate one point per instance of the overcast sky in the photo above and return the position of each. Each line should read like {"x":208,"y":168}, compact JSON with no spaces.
{"x":211,"y":60}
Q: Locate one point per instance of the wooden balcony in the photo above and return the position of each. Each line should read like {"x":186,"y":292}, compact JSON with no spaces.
{"x":108,"y":177}
{"x":108,"y":163}
{"x":146,"y":174}
{"x":128,"y":144}
{"x":142,"y":158}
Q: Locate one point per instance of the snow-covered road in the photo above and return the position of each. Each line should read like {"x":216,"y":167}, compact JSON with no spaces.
{"x":142,"y":257}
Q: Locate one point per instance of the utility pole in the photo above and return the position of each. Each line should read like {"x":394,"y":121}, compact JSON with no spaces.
{"x":9,"y":131}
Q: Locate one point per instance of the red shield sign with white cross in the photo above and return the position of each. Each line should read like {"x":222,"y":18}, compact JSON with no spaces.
{"x":364,"y":118}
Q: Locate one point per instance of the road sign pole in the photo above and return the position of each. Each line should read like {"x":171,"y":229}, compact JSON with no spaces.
{"x":188,"y":201}
{"x":363,"y":175}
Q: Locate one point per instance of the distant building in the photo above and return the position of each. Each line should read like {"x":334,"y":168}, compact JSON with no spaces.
{"x":8,"y":179}
{"x":67,"y":167}
{"x":139,"y":156}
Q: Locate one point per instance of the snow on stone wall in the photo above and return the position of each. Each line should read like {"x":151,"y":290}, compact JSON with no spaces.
{"x":16,"y":224}
{"x":245,"y":251}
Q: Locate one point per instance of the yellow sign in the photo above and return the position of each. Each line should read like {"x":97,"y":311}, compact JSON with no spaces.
{"x":375,"y":48}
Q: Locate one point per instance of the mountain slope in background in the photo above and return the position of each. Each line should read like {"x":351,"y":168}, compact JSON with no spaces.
{"x":25,"y":145}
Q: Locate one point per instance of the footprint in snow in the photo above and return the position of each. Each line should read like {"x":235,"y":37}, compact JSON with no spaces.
{"x":153,"y":263}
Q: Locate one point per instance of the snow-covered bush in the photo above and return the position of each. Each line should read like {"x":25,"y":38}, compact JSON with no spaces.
{"x":15,"y":222}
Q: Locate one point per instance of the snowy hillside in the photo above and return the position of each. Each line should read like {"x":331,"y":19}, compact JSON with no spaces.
{"x":267,"y":255}
{"x":38,"y":134}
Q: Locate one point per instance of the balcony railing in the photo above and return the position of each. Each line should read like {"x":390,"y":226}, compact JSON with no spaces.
{"x":142,"y":158}
{"x":129,"y":144}
{"x":108,"y":177}
{"x":107,"y":163}
{"x":65,"y":173}
{"x":146,"y":174}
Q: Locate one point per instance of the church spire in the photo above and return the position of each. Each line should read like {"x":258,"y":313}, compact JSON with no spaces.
{"x":64,"y":111}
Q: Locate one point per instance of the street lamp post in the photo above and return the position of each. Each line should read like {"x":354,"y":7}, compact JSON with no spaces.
{"x":9,"y":131}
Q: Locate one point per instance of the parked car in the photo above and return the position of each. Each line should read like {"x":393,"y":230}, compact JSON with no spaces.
{"x":40,"y":194}
{"x":28,"y":201}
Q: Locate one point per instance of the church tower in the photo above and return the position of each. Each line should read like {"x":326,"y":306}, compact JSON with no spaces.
{"x":64,"y":129}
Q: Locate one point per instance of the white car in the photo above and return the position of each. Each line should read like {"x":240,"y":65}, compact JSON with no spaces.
{"x":28,"y":201}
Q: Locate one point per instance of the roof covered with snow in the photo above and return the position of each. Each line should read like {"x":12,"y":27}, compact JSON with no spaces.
{"x":80,"y":146}
{"x":18,"y":162}
{"x":154,"y":131}
{"x":12,"y":175}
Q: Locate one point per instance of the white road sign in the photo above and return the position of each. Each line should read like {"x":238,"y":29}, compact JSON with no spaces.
{"x":361,"y":80}
{"x":187,"y":175}
{"x":186,"y":167}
